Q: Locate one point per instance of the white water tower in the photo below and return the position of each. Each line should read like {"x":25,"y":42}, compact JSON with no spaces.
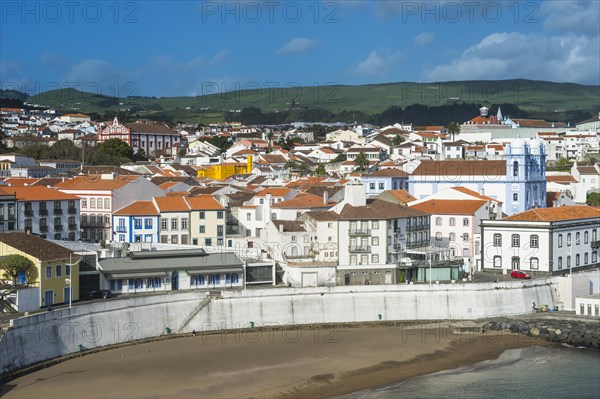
{"x":484,"y":111}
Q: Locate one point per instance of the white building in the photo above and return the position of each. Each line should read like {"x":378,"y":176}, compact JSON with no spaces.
{"x":548,"y":240}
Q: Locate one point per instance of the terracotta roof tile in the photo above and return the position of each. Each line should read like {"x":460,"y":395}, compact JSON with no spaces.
{"x":38,"y":193}
{"x":173,"y":203}
{"x":204,"y":203}
{"x":556,"y":214}
{"x":95,"y":182}
{"x":143,"y":208}
{"x":379,"y":210}
{"x":304,"y":201}
{"x":450,"y":207}
{"x":37,"y":247}
{"x":274,"y":191}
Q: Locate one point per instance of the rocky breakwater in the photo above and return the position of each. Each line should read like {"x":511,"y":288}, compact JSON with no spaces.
{"x":581,"y":333}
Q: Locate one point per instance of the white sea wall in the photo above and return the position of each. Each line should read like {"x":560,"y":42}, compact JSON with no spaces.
{"x":48,"y":335}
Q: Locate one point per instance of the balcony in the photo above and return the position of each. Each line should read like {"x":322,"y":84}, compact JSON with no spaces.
{"x":121,"y":229}
{"x":28,"y":212}
{"x":58,"y":211}
{"x":72,"y":211}
{"x":58,"y":227}
{"x":43,"y":229}
{"x":43,"y":212}
{"x":72,"y":226}
{"x":359,"y":232}
{"x":595,"y":244}
{"x":416,"y":244}
{"x":359,"y":248}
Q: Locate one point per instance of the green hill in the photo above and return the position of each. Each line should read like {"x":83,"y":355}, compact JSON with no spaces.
{"x":536,"y":97}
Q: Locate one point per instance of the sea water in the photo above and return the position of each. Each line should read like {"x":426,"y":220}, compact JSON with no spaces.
{"x":533,"y":372}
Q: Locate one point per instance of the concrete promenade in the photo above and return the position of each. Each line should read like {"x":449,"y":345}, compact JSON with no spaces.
{"x":47,"y":335}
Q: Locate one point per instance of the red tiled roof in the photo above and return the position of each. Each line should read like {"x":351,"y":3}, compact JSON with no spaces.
{"x":556,"y":214}
{"x":38,"y":193}
{"x":95,"y":182}
{"x":204,"y":203}
{"x":143,"y":208}
{"x":449,"y":207}
{"x":175,"y":203}
{"x":304,"y":201}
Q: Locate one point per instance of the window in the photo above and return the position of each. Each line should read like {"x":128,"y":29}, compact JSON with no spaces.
{"x":220,"y":231}
{"x":67,"y":270}
{"x":148,"y":223}
{"x":374,"y":241}
{"x":534,"y":263}
{"x":438,"y":221}
{"x":585,"y":237}
{"x":84,"y":202}
{"x":381,"y":186}
{"x":137,"y":223}
{"x":184,"y":224}
{"x":465,"y":221}
{"x":164,"y":224}
{"x":375,"y":224}
{"x":92,"y":203}
{"x":516,"y":263}
{"x":568,"y":260}
{"x":534,"y":241}
{"x":594,"y":235}
{"x":585,"y":258}
{"x":48,"y":271}
{"x":293,"y":238}
{"x":497,"y":261}
{"x":174,"y":239}
{"x":594,"y":257}
{"x":560,"y":262}
{"x":261,"y":201}
{"x":497,"y":240}
{"x":438,"y":236}
{"x":515,"y":241}
{"x":515,"y":168}
{"x":560,"y":240}
{"x":174,"y":224}
{"x":452,"y":222}
{"x":375,"y":258}
{"x":515,"y":197}
{"x":465,"y":237}
{"x":372,"y":186}
{"x":577,"y":238}
{"x":202,"y":229}
{"x":220,"y":215}
{"x":202,"y":215}
{"x":248,"y":216}
{"x":577,"y":258}
{"x":99,"y":203}
{"x":452,"y":237}
{"x":208,"y":242}
{"x":569,"y":240}
{"x":106,"y":203}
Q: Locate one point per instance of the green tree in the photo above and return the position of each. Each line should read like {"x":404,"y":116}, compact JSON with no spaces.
{"x":361,"y":162}
{"x":291,"y":165}
{"x":453,"y":129}
{"x":398,"y":140}
{"x":116,"y":148}
{"x":339,"y":158}
{"x":321,"y":171}
{"x":270,"y":139}
{"x":593,"y":199}
{"x":140,"y":155}
{"x":64,"y":149}
{"x":17,"y":265}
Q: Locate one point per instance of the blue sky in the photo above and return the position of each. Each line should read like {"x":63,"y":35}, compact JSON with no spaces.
{"x":192,"y":48}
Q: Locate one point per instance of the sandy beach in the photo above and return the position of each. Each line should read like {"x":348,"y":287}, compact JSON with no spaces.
{"x":298,"y":363}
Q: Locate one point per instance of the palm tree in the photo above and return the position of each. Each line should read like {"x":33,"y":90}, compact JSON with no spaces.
{"x":270,"y":139}
{"x":361,"y":162}
{"x":453,"y":129}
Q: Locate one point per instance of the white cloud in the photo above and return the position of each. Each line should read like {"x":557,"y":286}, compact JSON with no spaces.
{"x":220,"y":57}
{"x":297,"y":45}
{"x":424,"y":38}
{"x":579,"y":16}
{"x":512,"y":55}
{"x":378,"y":63}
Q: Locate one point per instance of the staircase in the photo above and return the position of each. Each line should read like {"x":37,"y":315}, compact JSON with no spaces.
{"x":204,"y":303}
{"x":7,"y":305}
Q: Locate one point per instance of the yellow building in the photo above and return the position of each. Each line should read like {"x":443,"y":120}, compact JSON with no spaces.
{"x":225,"y":170}
{"x":56,"y":278}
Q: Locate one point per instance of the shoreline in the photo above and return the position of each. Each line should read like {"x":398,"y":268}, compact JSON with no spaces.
{"x":275,"y":364}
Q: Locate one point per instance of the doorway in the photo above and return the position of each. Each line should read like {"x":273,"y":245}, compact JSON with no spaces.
{"x":175,"y":281}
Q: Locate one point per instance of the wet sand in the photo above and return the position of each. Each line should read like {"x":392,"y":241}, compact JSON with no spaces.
{"x":298,"y":363}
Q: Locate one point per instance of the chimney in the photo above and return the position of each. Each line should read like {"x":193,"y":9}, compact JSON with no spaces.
{"x":325,"y":197}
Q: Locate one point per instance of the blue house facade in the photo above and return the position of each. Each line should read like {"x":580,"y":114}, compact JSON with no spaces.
{"x":526,"y":175}
{"x":137,"y":222}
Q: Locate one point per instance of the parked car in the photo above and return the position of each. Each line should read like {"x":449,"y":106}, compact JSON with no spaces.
{"x":520,"y":274}
{"x":104,"y":294}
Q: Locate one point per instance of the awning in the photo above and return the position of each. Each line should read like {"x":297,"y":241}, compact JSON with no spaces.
{"x":139,"y":275}
{"x":213,"y":271}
